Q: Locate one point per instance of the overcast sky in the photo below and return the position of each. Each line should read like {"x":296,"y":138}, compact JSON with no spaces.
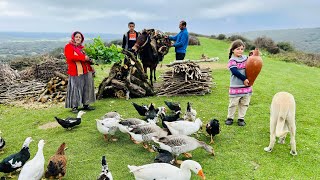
{"x":202,"y":16}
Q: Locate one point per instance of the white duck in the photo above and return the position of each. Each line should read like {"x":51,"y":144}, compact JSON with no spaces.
{"x":113,"y":114}
{"x":190,"y":114}
{"x":144,"y":133}
{"x":162,"y":171}
{"x":184,"y":127}
{"x":34,"y":169}
{"x":108,"y":126}
{"x":178,"y":144}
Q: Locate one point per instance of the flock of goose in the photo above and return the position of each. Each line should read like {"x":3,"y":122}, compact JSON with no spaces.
{"x":173,"y":139}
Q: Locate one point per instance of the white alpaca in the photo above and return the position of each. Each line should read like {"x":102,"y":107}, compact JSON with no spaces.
{"x":282,"y":120}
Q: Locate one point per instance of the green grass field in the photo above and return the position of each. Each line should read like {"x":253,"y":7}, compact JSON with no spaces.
{"x":239,"y":150}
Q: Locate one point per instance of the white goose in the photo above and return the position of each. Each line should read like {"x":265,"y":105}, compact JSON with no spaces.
{"x":178,"y":144}
{"x":164,"y":171}
{"x":144,"y":133}
{"x":108,"y":126}
{"x":34,"y":169}
{"x":184,"y":127}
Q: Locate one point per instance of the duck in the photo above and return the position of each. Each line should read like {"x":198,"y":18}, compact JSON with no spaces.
{"x":167,"y":171}
{"x":144,"y":133}
{"x":173,"y":106}
{"x":190,"y":114}
{"x":126,"y":123}
{"x":2,"y":143}
{"x":57,"y":164}
{"x":108,"y":126}
{"x":184,"y":127}
{"x":213,"y":128}
{"x":178,"y":144}
{"x":152,"y":114}
{"x":105,"y":173}
{"x":34,"y":169}
{"x":141,"y":109}
{"x":70,"y":122}
{"x":17,"y":160}
{"x":169,"y":118}
{"x":163,"y":156}
{"x":113,"y":114}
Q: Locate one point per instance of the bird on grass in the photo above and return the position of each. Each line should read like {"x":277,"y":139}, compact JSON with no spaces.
{"x":105,"y":173}
{"x":70,"y":122}
{"x":17,"y":160}
{"x":2,"y":143}
{"x":173,"y":106}
{"x":213,"y":128}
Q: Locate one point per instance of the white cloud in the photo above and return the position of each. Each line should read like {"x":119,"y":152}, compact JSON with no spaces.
{"x":9,"y":11}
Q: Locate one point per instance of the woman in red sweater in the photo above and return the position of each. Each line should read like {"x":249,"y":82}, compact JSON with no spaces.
{"x":80,"y":85}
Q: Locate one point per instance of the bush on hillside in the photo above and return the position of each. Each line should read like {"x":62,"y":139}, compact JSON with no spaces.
{"x":221,"y":37}
{"x":193,"y":40}
{"x":213,"y":37}
{"x":115,"y":42}
{"x":285,"y":46}
{"x":266,"y":43}
{"x":309,"y":59}
{"x":57,"y":53}
{"x":21,"y":63}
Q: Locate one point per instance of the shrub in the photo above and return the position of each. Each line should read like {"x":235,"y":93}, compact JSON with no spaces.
{"x":213,"y":37}
{"x":309,"y":59}
{"x":193,"y":40}
{"x":286,"y":46}
{"x":115,"y":42}
{"x":221,"y":37}
{"x":266,"y":43}
{"x":57,"y":53}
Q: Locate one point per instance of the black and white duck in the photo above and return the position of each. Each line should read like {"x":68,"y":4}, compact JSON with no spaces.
{"x":105,"y":173}
{"x":141,"y":109}
{"x":17,"y":160}
{"x":170,"y":118}
{"x":173,"y":106}
{"x":190,"y":114}
{"x":213,"y":128}
{"x":163,"y":156}
{"x":70,"y":122}
{"x":2,"y":143}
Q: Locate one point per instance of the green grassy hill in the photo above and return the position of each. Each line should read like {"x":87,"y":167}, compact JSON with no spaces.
{"x":239,"y":150}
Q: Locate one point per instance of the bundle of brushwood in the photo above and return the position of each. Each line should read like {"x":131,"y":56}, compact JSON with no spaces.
{"x":55,"y":90}
{"x":7,"y":74}
{"x":126,"y":80}
{"x":45,"y":71}
{"x":185,"y":79}
{"x":19,"y":90}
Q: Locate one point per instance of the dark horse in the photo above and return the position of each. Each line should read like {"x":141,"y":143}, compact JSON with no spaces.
{"x":149,"y":58}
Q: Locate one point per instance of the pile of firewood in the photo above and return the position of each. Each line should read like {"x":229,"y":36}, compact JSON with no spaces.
{"x":126,"y":80}
{"x":7,"y":74}
{"x":185,"y":79}
{"x":55,"y":90}
{"x":45,"y":71}
{"x":19,"y":90}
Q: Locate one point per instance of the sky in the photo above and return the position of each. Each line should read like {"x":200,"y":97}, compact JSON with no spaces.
{"x":209,"y":17}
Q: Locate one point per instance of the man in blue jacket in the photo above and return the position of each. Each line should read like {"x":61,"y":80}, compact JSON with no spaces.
{"x":181,"y":41}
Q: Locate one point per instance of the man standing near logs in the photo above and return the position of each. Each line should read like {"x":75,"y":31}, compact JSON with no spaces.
{"x":130,"y":38}
{"x":181,"y":41}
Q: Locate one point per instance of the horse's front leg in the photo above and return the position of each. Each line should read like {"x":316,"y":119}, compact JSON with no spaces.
{"x":151,"y":77}
{"x":154,"y":72}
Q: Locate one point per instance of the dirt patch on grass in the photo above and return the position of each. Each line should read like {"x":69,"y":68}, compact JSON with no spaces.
{"x":49,"y":125}
{"x":30,"y":104}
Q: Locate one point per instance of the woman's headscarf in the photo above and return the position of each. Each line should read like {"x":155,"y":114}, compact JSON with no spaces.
{"x":73,"y":42}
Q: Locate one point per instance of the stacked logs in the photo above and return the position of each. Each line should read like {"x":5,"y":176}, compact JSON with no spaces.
{"x":185,"y":79}
{"x":45,"y":71}
{"x":55,"y":90}
{"x":125,"y":81}
{"x":20,"y":90}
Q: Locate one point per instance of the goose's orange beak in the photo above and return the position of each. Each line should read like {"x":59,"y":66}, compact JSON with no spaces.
{"x":200,"y":173}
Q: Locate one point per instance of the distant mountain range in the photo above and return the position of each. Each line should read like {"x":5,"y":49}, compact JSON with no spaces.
{"x":304,"y":39}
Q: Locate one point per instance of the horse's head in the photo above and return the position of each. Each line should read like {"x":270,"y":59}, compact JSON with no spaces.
{"x":142,"y":39}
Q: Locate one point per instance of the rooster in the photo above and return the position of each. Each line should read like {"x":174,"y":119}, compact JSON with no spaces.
{"x":57,"y":164}
{"x":213,"y":128}
{"x":70,"y":122}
